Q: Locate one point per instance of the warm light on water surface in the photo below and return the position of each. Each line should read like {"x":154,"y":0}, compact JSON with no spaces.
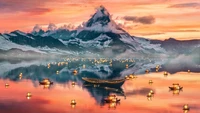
{"x":56,"y":99}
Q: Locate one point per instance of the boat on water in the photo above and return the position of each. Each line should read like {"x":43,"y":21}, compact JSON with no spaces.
{"x":105,"y":82}
{"x":46,"y":81}
{"x":176,"y":87}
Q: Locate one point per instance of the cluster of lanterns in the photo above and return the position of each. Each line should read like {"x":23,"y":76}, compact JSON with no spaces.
{"x":157,"y":68}
{"x":20,"y":76}
{"x":28,"y":95}
{"x":131,"y":76}
{"x":150,"y":95}
{"x":73,"y":103}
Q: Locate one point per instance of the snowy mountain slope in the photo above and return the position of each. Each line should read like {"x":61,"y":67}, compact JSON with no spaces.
{"x":27,"y":42}
{"x":5,"y":44}
{"x":100,"y":34}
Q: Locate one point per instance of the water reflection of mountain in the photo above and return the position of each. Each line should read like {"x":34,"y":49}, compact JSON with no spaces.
{"x":37,"y":70}
{"x":99,"y":93}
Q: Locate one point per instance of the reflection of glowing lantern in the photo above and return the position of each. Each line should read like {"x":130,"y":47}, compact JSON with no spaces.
{"x":73,"y":106}
{"x":7,"y":85}
{"x":112,"y":105}
{"x":46,"y":86}
{"x":149,"y":98}
{"x":28,"y":97}
{"x":176,"y":92}
{"x":150,"y":82}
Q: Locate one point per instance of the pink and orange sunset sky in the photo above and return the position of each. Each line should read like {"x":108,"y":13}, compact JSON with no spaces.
{"x":155,"y":19}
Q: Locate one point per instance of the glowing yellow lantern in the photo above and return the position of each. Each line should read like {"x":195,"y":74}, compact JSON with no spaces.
{"x":73,"y":102}
{"x":7,"y":85}
{"x":150,"y":82}
{"x":73,"y":83}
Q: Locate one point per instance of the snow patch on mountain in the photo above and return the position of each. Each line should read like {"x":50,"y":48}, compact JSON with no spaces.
{"x":7,"y":45}
{"x":100,"y":42}
{"x":12,"y":34}
{"x":101,"y":22}
{"x":146,"y":44}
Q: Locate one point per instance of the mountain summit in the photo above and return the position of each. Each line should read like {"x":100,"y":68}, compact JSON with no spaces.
{"x":101,"y":16}
{"x":101,"y":21}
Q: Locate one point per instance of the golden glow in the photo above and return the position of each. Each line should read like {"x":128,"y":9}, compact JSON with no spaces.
{"x":180,"y":23}
{"x":163,"y":102}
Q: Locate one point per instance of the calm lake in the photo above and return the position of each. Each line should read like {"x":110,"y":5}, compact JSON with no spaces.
{"x":18,"y":77}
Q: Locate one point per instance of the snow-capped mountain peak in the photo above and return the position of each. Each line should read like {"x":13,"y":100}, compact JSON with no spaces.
{"x":101,"y":21}
{"x":101,"y":16}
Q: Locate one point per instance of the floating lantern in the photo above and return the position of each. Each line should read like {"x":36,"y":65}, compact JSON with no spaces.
{"x":20,"y":75}
{"x":150,"y":82}
{"x":188,"y":71}
{"x":29,"y":95}
{"x":126,"y":77}
{"x":75,"y":72}
{"x":158,"y":66}
{"x":149,"y":95}
{"x":7,"y":85}
{"x":126,"y":65}
{"x":165,"y":73}
{"x":73,"y":102}
{"x":73,"y":83}
{"x":57,"y":72}
{"x":147,"y":71}
{"x":152,"y":92}
{"x":186,"y":108}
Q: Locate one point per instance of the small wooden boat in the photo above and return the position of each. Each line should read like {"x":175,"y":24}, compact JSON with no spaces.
{"x":105,"y":82}
{"x":46,"y":82}
{"x":176,"y":87}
